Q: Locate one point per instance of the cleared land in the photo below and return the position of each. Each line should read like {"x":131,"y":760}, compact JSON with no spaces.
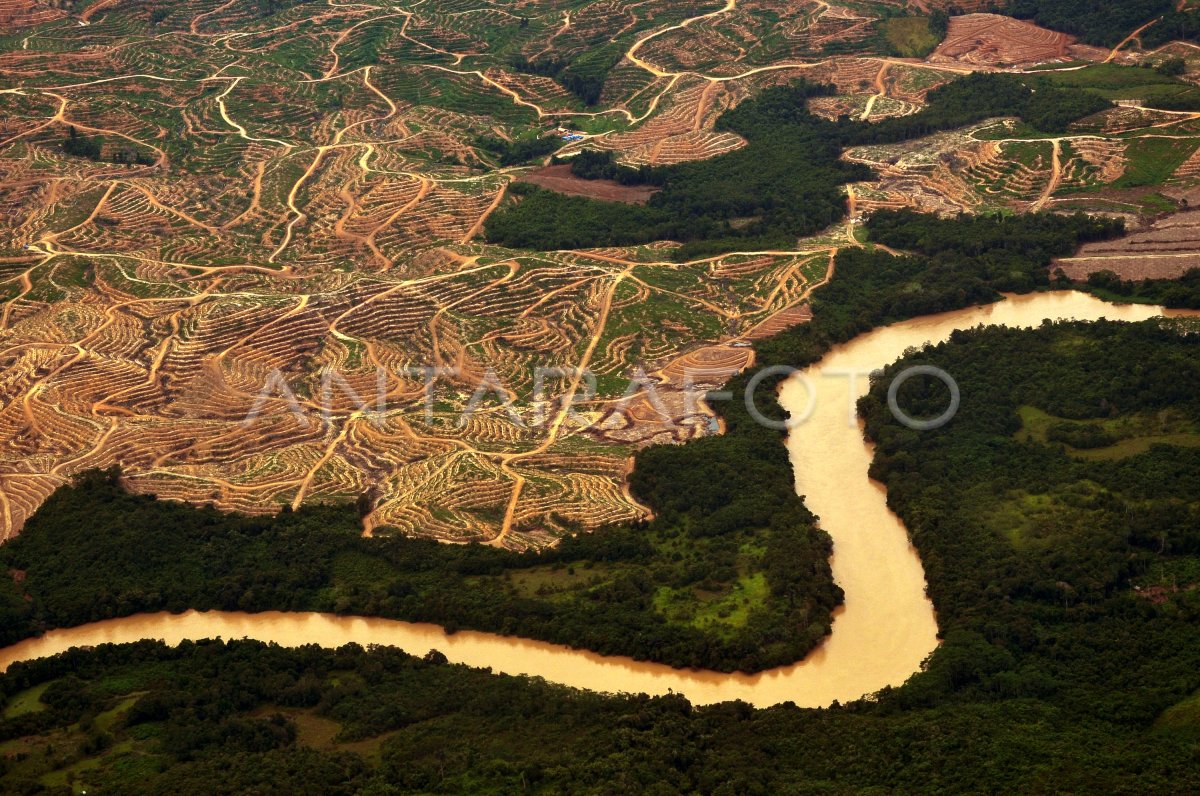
{"x":215,"y":228}
{"x":1166,"y":250}
{"x":254,"y":205}
{"x":991,"y":40}
{"x":559,"y":178}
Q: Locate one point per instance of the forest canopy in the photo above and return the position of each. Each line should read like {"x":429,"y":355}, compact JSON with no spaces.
{"x":1065,"y":581}
{"x":671,"y":591}
{"x":784,"y":184}
{"x":1107,"y":22}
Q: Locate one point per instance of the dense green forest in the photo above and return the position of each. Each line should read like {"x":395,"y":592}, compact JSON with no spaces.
{"x":1182,"y":293}
{"x":1108,"y":22}
{"x":522,"y":150}
{"x":786,"y":183}
{"x":787,"y":179}
{"x":1069,"y":482}
{"x":591,"y":164}
{"x":1065,"y":581}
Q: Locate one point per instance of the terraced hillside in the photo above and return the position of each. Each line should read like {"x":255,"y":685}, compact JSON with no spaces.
{"x":240,"y":238}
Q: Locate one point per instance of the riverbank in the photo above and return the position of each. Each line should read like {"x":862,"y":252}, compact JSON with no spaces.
{"x":880,"y":638}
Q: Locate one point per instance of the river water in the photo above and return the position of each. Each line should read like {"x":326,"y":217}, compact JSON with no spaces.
{"x":880,"y":636}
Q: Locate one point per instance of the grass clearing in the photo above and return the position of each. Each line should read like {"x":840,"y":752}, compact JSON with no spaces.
{"x":105,"y":721}
{"x":1133,"y":434}
{"x":321,"y":733}
{"x":551,"y":580}
{"x":1184,"y":715}
{"x":720,"y":612}
{"x":734,"y":608}
{"x":1114,"y":82}
{"x":1036,"y":521}
{"x":27,"y":701}
{"x":1152,"y":161}
{"x":910,"y":37}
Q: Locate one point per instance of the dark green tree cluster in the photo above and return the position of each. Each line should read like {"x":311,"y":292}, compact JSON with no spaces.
{"x":784,"y":184}
{"x":92,"y":148}
{"x":266,"y":8}
{"x":82,"y":146}
{"x":954,"y":262}
{"x":592,"y":164}
{"x":522,"y":150}
{"x":1176,"y":25}
{"x":1036,"y":547}
{"x":939,"y":22}
{"x":1171,"y":67}
{"x":584,"y":75}
{"x":94,"y":552}
{"x":1107,"y":22}
{"x":981,"y":96}
{"x":1181,"y":293}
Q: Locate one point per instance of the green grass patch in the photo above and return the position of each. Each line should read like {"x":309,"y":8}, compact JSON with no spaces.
{"x":722,"y":611}
{"x":105,"y":721}
{"x":1182,"y":716}
{"x":734,"y":608}
{"x":910,"y":37}
{"x":1034,"y":521}
{"x":1157,"y":203}
{"x":558,"y":580}
{"x":1152,"y":161}
{"x":1114,"y":82}
{"x":1126,"y":435}
{"x":28,"y":701}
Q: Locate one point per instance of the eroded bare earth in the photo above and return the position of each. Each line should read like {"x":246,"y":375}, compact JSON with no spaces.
{"x":280,"y":221}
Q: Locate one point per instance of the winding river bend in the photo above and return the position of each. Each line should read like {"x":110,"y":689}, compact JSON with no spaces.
{"x":880,"y":636}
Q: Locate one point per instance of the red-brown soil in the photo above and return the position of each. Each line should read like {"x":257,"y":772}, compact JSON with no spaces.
{"x":1166,"y":250}
{"x":560,"y":180}
{"x":16,"y":14}
{"x":993,"y":40}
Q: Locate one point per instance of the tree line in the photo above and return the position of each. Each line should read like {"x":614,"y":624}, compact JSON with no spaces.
{"x":593,"y":164}
{"x":1181,"y":293}
{"x":93,"y":551}
{"x":1034,"y":557}
{"x":784,"y":184}
{"x":1107,"y":22}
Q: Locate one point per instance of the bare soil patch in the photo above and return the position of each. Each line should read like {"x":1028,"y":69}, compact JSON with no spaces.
{"x":560,"y":180}
{"x":994,"y":40}
{"x":1166,"y":250}
{"x":16,"y":14}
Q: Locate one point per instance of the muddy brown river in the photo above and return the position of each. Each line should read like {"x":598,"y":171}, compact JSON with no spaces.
{"x":880,"y":636}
